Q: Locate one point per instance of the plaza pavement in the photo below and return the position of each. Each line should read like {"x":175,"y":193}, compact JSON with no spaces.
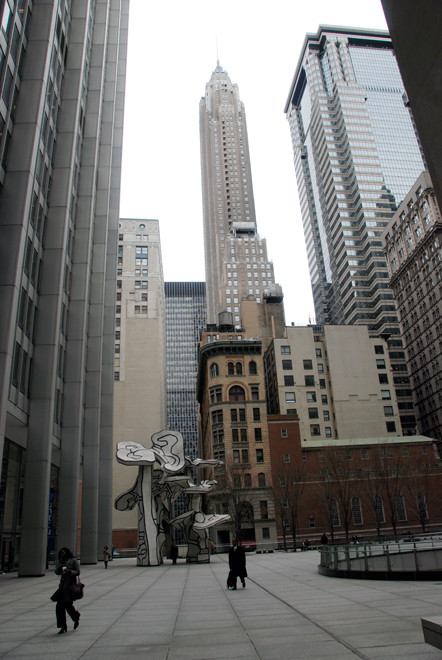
{"x":184,"y":612}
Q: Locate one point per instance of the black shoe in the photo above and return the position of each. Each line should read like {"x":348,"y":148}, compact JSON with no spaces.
{"x":243,"y":585}
{"x":234,"y":588}
{"x":62,"y":630}
{"x":77,"y":622}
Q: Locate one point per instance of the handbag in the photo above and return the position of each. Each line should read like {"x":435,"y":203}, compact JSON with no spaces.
{"x":77,"y":590}
{"x":55,"y":595}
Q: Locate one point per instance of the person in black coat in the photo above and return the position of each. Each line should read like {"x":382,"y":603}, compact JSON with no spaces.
{"x":68,"y":567}
{"x":237,"y":564}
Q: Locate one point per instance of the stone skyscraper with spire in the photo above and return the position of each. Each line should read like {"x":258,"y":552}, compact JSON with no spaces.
{"x":236,"y":262}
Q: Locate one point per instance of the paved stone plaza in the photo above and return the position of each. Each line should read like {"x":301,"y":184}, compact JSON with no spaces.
{"x":184,"y":612}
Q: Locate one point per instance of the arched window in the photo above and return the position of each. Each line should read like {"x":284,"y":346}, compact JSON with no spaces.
{"x":421,"y":507}
{"x":252,"y":368}
{"x":247,"y":480}
{"x":230,"y":368}
{"x":379,"y":509}
{"x":236,"y":393}
{"x":261,"y":480}
{"x":238,"y":369}
{"x":400,"y":508}
{"x":334,"y":512}
{"x":214,"y":371}
{"x":356,"y":511}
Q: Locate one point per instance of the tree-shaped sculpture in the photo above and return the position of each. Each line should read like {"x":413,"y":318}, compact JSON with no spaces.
{"x":164,"y":473}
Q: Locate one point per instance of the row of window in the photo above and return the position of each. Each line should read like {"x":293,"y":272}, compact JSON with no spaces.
{"x":235,"y":393}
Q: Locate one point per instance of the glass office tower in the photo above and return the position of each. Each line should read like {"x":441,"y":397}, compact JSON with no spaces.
{"x":356,"y":155}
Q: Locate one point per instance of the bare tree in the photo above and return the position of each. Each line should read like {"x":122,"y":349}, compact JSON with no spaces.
{"x":390,"y":473}
{"x":423,"y":487}
{"x":372,"y":495}
{"x":236,"y":491}
{"x":340,"y":482}
{"x":287,"y":491}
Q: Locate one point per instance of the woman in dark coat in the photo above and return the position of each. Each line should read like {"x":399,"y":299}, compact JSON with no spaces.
{"x":69,"y":569}
{"x":237,"y":564}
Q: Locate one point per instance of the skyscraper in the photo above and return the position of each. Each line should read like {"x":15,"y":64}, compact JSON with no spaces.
{"x":63,"y":75}
{"x":237,"y":266}
{"x":185,"y":320}
{"x":356,"y":155}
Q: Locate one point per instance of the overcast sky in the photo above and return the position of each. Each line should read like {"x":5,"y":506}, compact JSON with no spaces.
{"x":172,"y":52}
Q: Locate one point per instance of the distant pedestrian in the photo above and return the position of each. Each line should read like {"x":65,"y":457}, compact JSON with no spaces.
{"x":69,"y":569}
{"x":237,"y":565}
{"x":174,"y":553}
{"x":106,"y":555}
{"x":305,"y":544}
{"x":324,"y":539}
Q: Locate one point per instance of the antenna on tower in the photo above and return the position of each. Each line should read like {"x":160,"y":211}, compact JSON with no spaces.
{"x":217,"y":56}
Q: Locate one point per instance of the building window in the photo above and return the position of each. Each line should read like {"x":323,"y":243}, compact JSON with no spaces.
{"x":287,"y":365}
{"x":247,"y":480}
{"x":289,"y":381}
{"x":328,"y":432}
{"x":388,"y":411}
{"x":290,"y":397}
{"x":315,"y":429}
{"x":214,"y":371}
{"x":421,"y":507}
{"x":324,"y":399}
{"x":313,"y":413}
{"x":252,"y":368}
{"x":217,"y":416}
{"x":379,"y":509}
{"x":334,"y":512}
{"x":238,"y":369}
{"x":284,"y":433}
{"x":383,"y":379}
{"x":379,"y":350}
{"x":259,"y":456}
{"x":309,"y":381}
{"x":386,"y":394}
{"x":400,"y":508}
{"x":364,"y":454}
{"x":286,"y":458}
{"x":256,"y":414}
{"x":236,"y":393}
{"x":231,"y":369}
{"x":263,"y":510}
{"x":285,"y":350}
{"x":312,"y":521}
{"x":266,"y":532}
{"x":255,"y":392}
{"x":326,"y":414}
{"x":322,"y":384}
{"x":245,"y":455}
{"x":356,"y":510}
{"x":258,"y":435}
{"x":261,"y":480}
{"x":391,"y":427}
{"x":235,"y":435}
{"x":243,"y":433}
{"x":116,"y":375}
{"x":215,"y":394}
{"x":380,"y":364}
{"x":236,"y":456}
{"x":307,"y":364}
{"x":311,"y":397}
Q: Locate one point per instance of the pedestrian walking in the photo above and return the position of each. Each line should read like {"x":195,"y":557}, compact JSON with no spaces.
{"x":106,"y":555}
{"x":69,"y":569}
{"x":174,"y":553}
{"x":237,"y":565}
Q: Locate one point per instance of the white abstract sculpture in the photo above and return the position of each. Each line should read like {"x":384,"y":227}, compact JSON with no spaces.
{"x":159,"y":482}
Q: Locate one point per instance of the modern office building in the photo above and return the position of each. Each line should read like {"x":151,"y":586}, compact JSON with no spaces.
{"x":236,"y":259}
{"x":413,"y":243}
{"x":337,"y":379}
{"x":62,"y":91}
{"x":140,"y":408}
{"x":185,"y":320}
{"x":356,"y":155}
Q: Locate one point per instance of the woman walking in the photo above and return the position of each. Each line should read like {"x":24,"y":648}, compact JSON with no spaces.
{"x":69,"y":569}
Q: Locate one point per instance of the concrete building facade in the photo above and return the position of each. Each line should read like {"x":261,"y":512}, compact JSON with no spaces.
{"x":140,"y":407}
{"x":236,"y":259}
{"x":337,"y":379}
{"x":63,"y":77}
{"x":413,"y":249}
{"x":356,"y":155}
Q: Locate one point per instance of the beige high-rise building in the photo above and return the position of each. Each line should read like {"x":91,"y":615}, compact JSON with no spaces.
{"x":140,"y":356}
{"x":237,"y":266}
{"x":337,"y":379}
{"x":413,"y":242}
